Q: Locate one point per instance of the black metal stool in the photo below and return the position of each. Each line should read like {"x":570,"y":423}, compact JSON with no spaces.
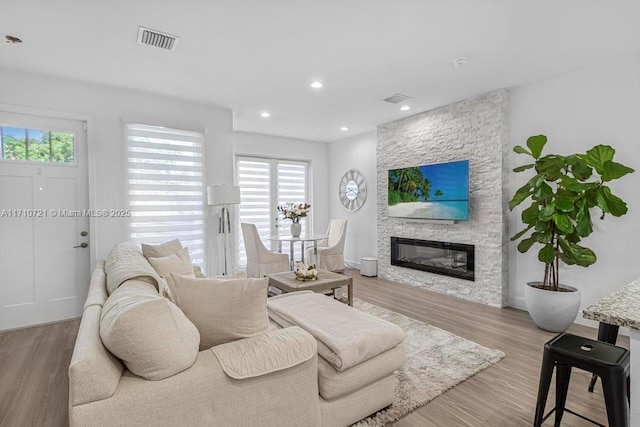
{"x":609,"y":362}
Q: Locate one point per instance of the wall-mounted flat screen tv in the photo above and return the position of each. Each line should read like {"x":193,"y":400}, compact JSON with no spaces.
{"x":438,"y":191}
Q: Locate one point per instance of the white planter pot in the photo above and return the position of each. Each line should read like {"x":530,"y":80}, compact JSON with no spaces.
{"x":552,"y":311}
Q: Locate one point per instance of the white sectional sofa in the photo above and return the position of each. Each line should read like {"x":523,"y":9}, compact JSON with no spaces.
{"x":275,"y":378}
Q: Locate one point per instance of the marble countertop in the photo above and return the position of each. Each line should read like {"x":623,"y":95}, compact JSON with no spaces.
{"x":621,"y":308}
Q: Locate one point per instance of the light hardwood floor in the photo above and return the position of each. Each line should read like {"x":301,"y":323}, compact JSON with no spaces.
{"x":34,"y":362}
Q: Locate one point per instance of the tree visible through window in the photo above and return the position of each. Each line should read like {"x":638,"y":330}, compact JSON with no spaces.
{"x":36,"y":145}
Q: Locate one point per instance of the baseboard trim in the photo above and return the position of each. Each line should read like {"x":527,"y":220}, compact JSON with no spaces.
{"x":518,"y":302}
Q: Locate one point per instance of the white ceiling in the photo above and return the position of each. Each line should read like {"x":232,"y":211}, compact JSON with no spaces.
{"x":255,"y":55}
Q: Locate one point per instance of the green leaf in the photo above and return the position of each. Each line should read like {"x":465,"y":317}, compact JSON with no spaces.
{"x":597,"y":156}
{"x":552,"y":166}
{"x":567,"y":258}
{"x":526,"y":244}
{"x":610,"y":203}
{"x":523,"y":167}
{"x":544,"y":192}
{"x":521,"y":195}
{"x":521,"y":150}
{"x":547,"y":254}
{"x":547,"y":212}
{"x":579,"y":168}
{"x":530,"y":215}
{"x":543,"y":237}
{"x":573,"y":237}
{"x":613,"y":170}
{"x":564,"y":203}
{"x":543,"y":226}
{"x":573,"y":184}
{"x":536,"y":144}
{"x":584,"y":226}
{"x":563,"y":223}
{"x":581,"y":255}
{"x":521,"y":233}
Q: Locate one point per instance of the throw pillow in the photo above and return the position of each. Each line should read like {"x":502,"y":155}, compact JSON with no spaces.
{"x":179,"y":263}
{"x":152,"y":337}
{"x":158,"y":251}
{"x":223,"y":310}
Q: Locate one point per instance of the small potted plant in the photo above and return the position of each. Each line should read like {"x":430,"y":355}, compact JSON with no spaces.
{"x":295,"y":212}
{"x":562,"y":193}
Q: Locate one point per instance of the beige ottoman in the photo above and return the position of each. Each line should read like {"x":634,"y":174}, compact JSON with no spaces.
{"x":358,"y":354}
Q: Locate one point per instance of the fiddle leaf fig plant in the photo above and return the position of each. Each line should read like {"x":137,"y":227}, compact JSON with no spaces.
{"x":562,"y":193}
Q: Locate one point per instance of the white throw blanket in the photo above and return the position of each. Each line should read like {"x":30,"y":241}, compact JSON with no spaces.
{"x":125,"y":261}
{"x":346,"y":336}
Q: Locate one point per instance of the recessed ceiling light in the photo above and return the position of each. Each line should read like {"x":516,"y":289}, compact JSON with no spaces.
{"x":265,"y":114}
{"x":460,"y":62}
{"x":344,"y":128}
{"x":405,"y":108}
{"x":317,"y":85}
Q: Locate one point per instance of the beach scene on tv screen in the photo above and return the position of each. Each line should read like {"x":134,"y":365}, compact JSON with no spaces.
{"x":438,"y":191}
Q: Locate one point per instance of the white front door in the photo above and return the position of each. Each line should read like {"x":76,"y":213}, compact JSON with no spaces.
{"x":44,"y":220}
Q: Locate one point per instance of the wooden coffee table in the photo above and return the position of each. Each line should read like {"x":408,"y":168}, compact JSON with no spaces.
{"x":327,"y":281}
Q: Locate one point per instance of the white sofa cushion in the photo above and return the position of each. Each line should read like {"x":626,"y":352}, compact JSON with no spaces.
{"x":151,"y":336}
{"x":164,"y":249}
{"x":223,"y":310}
{"x":178,"y":262}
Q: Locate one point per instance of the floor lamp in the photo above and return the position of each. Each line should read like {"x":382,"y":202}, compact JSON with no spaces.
{"x":224,"y":196}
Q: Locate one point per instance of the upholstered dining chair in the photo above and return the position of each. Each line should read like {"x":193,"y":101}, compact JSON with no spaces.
{"x":331,"y":250}
{"x":260,"y":260}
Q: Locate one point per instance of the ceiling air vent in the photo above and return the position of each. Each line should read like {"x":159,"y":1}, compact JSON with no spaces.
{"x":397,"y":98}
{"x":157,"y":39}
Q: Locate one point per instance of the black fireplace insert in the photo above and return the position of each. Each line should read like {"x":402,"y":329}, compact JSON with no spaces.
{"x":449,"y":259}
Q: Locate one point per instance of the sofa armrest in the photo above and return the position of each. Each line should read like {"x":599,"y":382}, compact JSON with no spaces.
{"x":205,"y":395}
{"x":263,"y":354}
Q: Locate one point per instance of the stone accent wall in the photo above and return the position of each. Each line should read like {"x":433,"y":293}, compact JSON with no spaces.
{"x":477,"y":130}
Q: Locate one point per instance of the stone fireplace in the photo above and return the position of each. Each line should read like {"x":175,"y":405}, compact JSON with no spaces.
{"x":476,"y":130}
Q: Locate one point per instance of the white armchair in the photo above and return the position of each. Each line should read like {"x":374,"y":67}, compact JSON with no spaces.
{"x":260,"y":260}
{"x":331,"y":250}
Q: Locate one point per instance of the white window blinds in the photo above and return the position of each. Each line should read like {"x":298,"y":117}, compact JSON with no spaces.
{"x":254,"y":179}
{"x":166,"y":189}
{"x":264,"y":184}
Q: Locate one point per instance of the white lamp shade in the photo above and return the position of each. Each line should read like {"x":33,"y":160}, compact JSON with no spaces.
{"x":223,"y":195}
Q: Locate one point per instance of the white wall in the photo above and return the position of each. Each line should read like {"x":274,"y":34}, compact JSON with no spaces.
{"x":357,"y":152}
{"x":106,"y":109}
{"x":294,"y":149}
{"x":597,"y":105}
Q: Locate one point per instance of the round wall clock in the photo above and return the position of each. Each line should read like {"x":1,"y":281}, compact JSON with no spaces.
{"x":352,"y":190}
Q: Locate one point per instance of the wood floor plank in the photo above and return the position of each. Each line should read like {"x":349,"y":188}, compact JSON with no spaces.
{"x":34,"y":364}
{"x":504,"y":394}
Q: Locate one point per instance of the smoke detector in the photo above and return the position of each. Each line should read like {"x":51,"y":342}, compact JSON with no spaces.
{"x":397,"y":98}
{"x":154,"y":38}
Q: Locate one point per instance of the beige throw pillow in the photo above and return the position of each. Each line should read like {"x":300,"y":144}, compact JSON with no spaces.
{"x":151,"y":336}
{"x":158,"y":251}
{"x":179,"y":263}
{"x":223,"y":310}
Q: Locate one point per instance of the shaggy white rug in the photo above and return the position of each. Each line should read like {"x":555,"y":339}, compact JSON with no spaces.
{"x":435,"y":361}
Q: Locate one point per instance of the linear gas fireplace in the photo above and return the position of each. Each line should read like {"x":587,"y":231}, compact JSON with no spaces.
{"x":449,"y":259}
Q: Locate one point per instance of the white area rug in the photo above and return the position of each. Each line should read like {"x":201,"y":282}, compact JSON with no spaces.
{"x":435,"y":361}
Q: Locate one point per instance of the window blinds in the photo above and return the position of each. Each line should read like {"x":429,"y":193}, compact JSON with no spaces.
{"x":166,"y":189}
{"x":264,"y":184}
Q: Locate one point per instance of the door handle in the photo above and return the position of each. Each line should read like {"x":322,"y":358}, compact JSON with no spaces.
{"x":82,"y":245}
